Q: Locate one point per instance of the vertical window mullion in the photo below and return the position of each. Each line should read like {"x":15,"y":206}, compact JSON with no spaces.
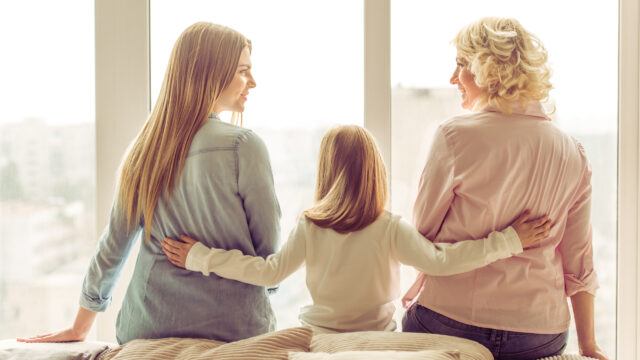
{"x":628,"y":317}
{"x":377,"y":75}
{"x":122,"y":101}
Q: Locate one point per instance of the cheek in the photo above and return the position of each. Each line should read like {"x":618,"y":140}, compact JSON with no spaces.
{"x":241,"y":85}
{"x":468,"y":81}
{"x":465,"y":78}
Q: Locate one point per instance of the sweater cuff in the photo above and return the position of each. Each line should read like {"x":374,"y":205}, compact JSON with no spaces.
{"x":196,"y":258}
{"x":94,"y":304}
{"x":588,"y":282}
{"x":514,"y":245}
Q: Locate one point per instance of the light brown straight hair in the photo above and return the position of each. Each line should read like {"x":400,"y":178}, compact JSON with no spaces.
{"x":351,"y":188}
{"x":202,"y":64}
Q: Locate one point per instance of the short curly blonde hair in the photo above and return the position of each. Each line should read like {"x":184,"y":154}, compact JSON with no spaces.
{"x":508,"y":62}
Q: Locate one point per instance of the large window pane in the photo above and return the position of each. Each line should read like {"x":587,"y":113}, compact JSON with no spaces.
{"x":583,"y":56}
{"x":308,"y":64}
{"x":47,"y":162}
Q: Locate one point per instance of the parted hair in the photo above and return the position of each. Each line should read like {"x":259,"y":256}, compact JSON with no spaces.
{"x":351,"y":188}
{"x":203,"y":62}
{"x":509,"y":63}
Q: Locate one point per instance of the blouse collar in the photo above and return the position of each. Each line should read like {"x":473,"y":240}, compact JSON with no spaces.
{"x":533,"y":108}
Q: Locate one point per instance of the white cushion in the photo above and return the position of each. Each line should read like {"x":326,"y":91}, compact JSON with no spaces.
{"x":396,"y":341}
{"x":378,"y":355}
{"x":85,"y":350}
{"x":567,"y":357}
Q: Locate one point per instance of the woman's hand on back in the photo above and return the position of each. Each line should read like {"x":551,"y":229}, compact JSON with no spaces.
{"x":177,"y":251}
{"x":532,"y":231}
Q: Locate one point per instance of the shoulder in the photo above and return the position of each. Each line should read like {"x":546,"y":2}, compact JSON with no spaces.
{"x":579,"y":147}
{"x":389,"y":217}
{"x":394,"y":227}
{"x":397,"y":221}
{"x":218,"y":135}
{"x":304,"y":227}
{"x":248,"y":140}
{"x":460,"y":121}
{"x":581,"y":154}
{"x":452,"y":128}
{"x":387,"y":220}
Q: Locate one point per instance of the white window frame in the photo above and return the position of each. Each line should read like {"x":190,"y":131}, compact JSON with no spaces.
{"x":123,"y":102}
{"x":628,"y":314}
{"x":122,"y":106}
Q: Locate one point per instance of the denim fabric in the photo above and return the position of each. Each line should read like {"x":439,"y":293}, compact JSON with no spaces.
{"x":226,"y":199}
{"x":504,"y":345}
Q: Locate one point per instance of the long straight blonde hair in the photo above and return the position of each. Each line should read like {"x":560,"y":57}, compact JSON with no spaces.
{"x":202,"y":64}
{"x":351,"y":189}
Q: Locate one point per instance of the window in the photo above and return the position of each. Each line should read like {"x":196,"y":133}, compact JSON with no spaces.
{"x":50,"y":87}
{"x":47,"y":165}
{"x":309,"y":71}
{"x":423,"y":59}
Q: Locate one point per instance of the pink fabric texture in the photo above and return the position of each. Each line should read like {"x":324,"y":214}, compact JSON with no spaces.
{"x":484,"y":169}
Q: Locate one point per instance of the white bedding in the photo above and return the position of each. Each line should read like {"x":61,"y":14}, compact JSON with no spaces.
{"x":86,"y":350}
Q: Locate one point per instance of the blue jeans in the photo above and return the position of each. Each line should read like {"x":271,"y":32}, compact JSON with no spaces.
{"x":504,"y":345}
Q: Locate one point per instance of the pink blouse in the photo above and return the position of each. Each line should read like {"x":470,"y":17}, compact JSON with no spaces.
{"x":484,"y":169}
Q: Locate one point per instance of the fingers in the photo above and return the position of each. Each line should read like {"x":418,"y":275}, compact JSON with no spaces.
{"x":543,"y":231}
{"x":172,"y":242}
{"x":175,"y":260}
{"x":184,"y":243}
{"x":187,"y":239}
{"x":51,"y":337}
{"x":174,"y":254}
{"x":171,"y":255}
{"x":523,"y":217}
{"x":172,"y":245}
{"x":544,"y":227}
{"x":37,"y":338}
{"x":537,"y":222}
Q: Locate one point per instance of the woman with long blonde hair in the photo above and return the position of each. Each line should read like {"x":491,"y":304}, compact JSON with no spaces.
{"x":484,"y":167}
{"x":188,"y":172}
{"x":351,"y":246}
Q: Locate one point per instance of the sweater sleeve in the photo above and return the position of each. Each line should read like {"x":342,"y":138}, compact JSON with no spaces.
{"x":114,"y":247}
{"x":255,"y":270}
{"x":256,"y":188}
{"x":441,"y":259}
{"x":576,"y":246}
{"x":437,"y":186}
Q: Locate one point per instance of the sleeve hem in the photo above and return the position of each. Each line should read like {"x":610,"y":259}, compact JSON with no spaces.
{"x":573,"y":285}
{"x":94,"y":305}
{"x":513,"y":240}
{"x":588,"y":289}
{"x":196,"y":258}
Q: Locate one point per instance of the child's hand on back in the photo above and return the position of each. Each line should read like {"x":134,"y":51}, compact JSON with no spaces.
{"x":532,"y":231}
{"x":177,"y":251}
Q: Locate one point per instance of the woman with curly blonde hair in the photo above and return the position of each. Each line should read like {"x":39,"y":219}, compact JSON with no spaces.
{"x":483,"y":169}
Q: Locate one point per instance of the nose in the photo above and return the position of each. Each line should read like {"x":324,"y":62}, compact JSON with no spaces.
{"x":252,"y":82}
{"x":454,"y":76}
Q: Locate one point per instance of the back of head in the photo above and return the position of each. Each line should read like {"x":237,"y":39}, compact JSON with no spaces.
{"x":351,"y":189}
{"x":508,"y":62}
{"x":202,"y":64}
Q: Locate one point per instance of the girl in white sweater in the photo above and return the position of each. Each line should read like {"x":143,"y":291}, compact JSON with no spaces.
{"x":351,"y":246}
